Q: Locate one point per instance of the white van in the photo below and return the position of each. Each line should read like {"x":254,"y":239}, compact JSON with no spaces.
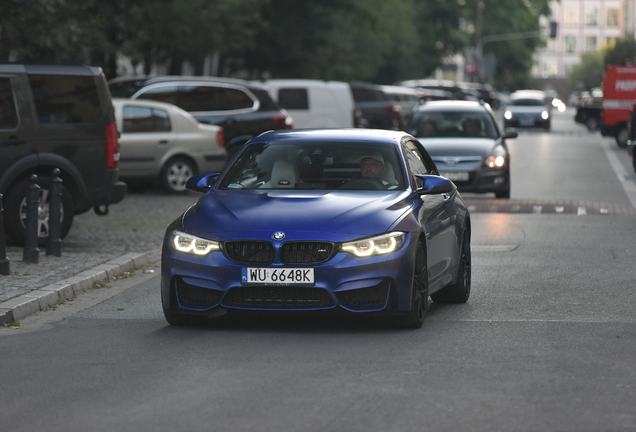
{"x":315,"y":103}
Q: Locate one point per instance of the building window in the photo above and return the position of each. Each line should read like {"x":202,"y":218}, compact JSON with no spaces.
{"x":550,"y":69}
{"x":591,"y":16}
{"x":570,"y":44}
{"x":612,"y":18}
{"x":571,"y":16}
{"x":590,"y":43}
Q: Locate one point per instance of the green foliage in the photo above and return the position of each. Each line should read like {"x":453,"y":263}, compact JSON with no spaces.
{"x":623,"y":52}
{"x":376,"y":40}
{"x":587,"y":74}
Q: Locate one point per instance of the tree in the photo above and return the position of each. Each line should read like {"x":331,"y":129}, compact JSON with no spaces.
{"x":587,"y":74}
{"x":623,"y":52}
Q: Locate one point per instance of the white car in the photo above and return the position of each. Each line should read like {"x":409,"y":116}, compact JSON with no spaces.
{"x":315,"y":104}
{"x":160,"y":141}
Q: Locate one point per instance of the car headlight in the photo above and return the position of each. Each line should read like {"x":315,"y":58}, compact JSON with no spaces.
{"x":497,"y":159}
{"x":508,"y":115}
{"x":545,"y":115}
{"x":380,"y":245}
{"x":188,"y":243}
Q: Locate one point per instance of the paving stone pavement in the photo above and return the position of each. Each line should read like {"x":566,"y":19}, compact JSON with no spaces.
{"x":97,"y":248}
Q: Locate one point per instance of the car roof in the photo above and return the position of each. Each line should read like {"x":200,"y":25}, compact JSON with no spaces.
{"x":144,"y":102}
{"x":143,"y":81}
{"x":528,"y":94}
{"x":451,"y":105}
{"x":353,"y":135}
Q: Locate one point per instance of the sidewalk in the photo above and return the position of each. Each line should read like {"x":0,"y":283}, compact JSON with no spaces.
{"x":98,"y":249}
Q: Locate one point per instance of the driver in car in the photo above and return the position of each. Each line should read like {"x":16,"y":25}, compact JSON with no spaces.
{"x":372,"y":166}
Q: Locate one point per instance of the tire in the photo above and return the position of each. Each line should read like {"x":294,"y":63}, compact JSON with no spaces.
{"x":175,"y":173}
{"x":414,"y":317}
{"x":505,"y":194}
{"x":459,"y":292}
{"x":15,"y":211}
{"x":622,"y":136}
{"x":591,"y":123}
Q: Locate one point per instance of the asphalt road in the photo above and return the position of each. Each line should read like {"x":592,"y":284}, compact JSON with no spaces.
{"x":547,"y":341}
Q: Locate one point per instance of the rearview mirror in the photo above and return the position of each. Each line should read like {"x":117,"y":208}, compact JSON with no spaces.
{"x":433,"y":185}
{"x":201,"y":182}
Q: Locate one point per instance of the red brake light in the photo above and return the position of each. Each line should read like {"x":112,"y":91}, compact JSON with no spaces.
{"x":283,"y":122}
{"x":112,"y":146}
{"x":220,"y":138}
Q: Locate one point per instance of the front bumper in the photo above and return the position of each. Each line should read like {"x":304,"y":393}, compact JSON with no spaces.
{"x":201,"y":285}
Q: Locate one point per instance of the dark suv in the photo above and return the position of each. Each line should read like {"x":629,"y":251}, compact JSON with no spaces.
{"x":375,"y":108}
{"x":56,"y":117}
{"x":243,"y":109}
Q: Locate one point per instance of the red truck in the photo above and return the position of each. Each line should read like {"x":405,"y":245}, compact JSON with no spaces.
{"x":619,"y":94}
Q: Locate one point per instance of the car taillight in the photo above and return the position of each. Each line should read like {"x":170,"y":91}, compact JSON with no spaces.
{"x":283,"y":122}
{"x":220,"y":138}
{"x":397,"y":115}
{"x":112,"y":146}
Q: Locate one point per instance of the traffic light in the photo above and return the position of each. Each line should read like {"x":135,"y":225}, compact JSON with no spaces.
{"x":553,"y":29}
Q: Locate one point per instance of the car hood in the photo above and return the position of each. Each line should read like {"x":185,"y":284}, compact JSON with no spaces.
{"x":302,"y":215}
{"x":459,"y":146}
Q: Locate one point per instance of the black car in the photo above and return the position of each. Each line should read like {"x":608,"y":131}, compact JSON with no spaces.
{"x":465,"y":143}
{"x":243,"y":109}
{"x":375,"y":108}
{"x":56,"y":117}
{"x":589,"y":111}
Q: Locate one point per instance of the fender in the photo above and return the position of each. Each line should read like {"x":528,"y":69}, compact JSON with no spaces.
{"x":39,"y":164}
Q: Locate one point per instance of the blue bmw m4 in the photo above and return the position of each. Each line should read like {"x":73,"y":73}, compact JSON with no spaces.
{"x":345,"y":219}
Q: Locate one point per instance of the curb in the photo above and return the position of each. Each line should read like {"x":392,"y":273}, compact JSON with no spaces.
{"x":40,"y":299}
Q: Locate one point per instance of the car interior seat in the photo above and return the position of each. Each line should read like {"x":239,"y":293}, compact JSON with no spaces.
{"x":389,"y":174}
{"x":284,"y":175}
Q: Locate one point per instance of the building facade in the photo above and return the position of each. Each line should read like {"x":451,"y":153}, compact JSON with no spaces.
{"x":583,"y":25}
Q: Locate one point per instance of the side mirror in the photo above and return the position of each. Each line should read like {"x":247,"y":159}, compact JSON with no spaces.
{"x":511,"y":133}
{"x":201,"y":182}
{"x":433,"y":185}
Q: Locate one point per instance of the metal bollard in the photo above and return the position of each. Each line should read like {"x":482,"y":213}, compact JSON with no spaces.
{"x":31,"y":253}
{"x":54,"y":242}
{"x":5,"y":266}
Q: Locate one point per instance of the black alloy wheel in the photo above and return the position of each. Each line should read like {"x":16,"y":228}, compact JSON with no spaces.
{"x":459,"y":292}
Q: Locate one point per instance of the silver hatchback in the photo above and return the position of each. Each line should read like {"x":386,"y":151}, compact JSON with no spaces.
{"x":161,"y":142}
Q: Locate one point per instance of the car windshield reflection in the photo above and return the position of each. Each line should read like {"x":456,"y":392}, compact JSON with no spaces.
{"x":318,"y":165}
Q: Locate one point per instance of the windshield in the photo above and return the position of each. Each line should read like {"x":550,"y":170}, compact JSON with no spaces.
{"x":447,"y":124}
{"x":316,"y":165}
{"x":527,"y":102}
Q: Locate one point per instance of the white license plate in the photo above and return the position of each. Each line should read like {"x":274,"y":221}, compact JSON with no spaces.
{"x":278,"y":275}
{"x":526,"y":122}
{"x":456,"y":175}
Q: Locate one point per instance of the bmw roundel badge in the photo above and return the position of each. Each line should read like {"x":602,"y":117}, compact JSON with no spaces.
{"x":278,"y":235}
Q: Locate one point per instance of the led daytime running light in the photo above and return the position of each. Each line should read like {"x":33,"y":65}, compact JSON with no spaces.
{"x":380,"y":245}
{"x":193,"y":245}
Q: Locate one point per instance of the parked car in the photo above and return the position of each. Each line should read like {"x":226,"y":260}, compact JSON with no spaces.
{"x":296,"y":222}
{"x":243,"y":109}
{"x":406,"y":98}
{"x":589,"y":111}
{"x":56,"y":117}
{"x":315,"y":103}
{"x":376,"y":109}
{"x":527,"y":108}
{"x":161,"y":142}
{"x":466,"y":144}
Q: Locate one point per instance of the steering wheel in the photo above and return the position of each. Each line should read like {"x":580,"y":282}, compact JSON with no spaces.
{"x":364,"y":183}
